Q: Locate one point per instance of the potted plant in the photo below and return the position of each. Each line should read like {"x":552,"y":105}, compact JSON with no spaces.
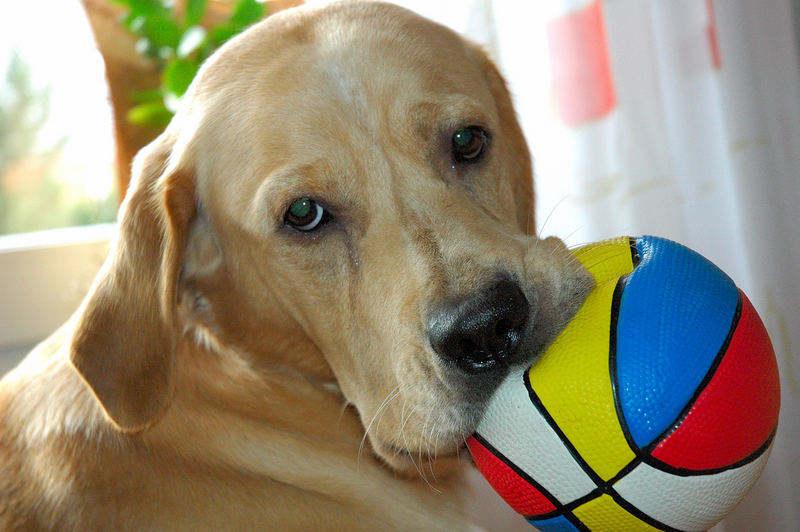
{"x":152,"y":49}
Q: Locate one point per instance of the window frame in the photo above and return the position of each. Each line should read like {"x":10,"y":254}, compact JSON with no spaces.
{"x":38,"y":298}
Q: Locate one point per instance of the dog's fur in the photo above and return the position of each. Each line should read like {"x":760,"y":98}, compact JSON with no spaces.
{"x":227,"y":371}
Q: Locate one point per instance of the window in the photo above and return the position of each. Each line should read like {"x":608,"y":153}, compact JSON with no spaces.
{"x":56,"y":140}
{"x":56,"y":168}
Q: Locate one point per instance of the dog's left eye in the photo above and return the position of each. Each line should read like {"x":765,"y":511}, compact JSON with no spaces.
{"x":305,"y":214}
{"x":469,"y":144}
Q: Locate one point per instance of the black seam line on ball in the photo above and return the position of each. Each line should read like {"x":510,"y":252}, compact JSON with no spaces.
{"x":568,"y":511}
{"x":537,"y":402}
{"x":616,"y":301}
{"x":684,"y":472}
{"x":633,"y":243}
{"x":639,"y":514}
{"x":644,"y":455}
{"x":577,"y":523}
{"x":580,"y":501}
{"x":612,"y":358}
{"x":712,"y":370}
{"x":623,"y":503}
{"x":559,"y":508}
{"x":568,"y":516}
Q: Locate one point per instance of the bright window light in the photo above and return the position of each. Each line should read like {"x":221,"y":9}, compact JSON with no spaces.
{"x":56,"y":133}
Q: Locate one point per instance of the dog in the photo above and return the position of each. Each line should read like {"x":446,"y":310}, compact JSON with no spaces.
{"x":324,"y":267}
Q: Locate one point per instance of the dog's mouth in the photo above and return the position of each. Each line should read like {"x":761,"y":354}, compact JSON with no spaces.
{"x":453,"y":450}
{"x":429,"y":436}
{"x":429,"y":464}
{"x":474,"y":342}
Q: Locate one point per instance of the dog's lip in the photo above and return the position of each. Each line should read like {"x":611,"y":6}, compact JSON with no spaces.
{"x":408,"y":460}
{"x":453,"y":448}
{"x":400,"y":451}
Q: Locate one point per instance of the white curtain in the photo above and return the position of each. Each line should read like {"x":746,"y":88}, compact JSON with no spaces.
{"x":676,"y":118}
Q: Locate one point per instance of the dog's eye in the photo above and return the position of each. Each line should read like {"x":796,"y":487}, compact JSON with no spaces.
{"x":305,"y":214}
{"x":469,"y":144}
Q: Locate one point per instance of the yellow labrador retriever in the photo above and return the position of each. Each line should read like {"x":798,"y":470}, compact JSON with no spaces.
{"x":324,"y":267}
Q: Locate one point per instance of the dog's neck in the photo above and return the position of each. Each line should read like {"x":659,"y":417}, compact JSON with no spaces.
{"x":264,"y":367}
{"x":281,"y":411}
{"x":279,"y":433}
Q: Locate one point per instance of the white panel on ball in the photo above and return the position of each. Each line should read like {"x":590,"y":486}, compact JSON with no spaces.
{"x":694,"y":502}
{"x":514,"y":427}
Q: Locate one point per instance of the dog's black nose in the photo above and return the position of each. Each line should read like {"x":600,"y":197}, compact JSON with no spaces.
{"x":479,"y":332}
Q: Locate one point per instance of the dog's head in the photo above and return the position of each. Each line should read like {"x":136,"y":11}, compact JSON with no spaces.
{"x":346,"y":192}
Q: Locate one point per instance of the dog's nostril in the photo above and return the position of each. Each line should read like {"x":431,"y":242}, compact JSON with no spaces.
{"x":479,"y":332}
{"x":467,"y":346}
{"x":502,"y":329}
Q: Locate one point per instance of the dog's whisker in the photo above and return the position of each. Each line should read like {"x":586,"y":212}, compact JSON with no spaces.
{"x":409,"y":453}
{"x":547,"y":218}
{"x":427,"y":444}
{"x":417,"y":464}
{"x":573,"y":232}
{"x":389,"y":398}
{"x":422,"y":443}
{"x":577,"y":246}
{"x":345,"y":404}
{"x":432,"y":459}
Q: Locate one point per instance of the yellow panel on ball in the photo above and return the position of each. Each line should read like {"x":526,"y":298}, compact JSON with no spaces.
{"x":572,"y":379}
{"x":603,"y":513}
{"x":607,"y":260}
{"x":574,"y":386}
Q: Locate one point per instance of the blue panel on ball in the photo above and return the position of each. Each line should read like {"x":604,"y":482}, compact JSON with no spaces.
{"x":674,"y":315}
{"x":555,"y":524}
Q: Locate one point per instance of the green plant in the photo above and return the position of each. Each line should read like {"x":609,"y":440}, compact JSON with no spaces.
{"x":178,"y":44}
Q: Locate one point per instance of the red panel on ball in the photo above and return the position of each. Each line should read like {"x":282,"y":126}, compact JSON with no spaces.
{"x":524,"y":498}
{"x":737,"y":411}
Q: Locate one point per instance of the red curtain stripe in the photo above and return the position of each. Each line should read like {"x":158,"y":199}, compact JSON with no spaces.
{"x":711,"y":33}
{"x":583,"y":85}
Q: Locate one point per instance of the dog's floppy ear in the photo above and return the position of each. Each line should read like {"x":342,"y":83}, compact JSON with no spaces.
{"x":518,"y":154}
{"x":126,"y":331}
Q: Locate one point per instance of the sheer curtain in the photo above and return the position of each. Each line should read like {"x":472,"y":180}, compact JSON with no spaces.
{"x":679,"y":119}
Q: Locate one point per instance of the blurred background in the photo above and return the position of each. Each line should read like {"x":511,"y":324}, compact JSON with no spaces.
{"x":679,"y":118}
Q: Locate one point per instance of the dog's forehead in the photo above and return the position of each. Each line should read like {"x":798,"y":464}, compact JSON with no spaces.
{"x":352,"y":48}
{"x":323,"y":81}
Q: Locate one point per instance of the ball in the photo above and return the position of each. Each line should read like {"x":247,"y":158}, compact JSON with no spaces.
{"x":654,"y":409}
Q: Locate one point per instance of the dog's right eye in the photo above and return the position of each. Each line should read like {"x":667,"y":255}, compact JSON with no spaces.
{"x":469,"y":144}
{"x":305,"y":214}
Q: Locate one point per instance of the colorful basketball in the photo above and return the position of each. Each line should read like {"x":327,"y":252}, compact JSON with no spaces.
{"x":655,"y":409}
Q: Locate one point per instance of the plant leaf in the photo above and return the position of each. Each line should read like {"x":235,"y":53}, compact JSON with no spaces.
{"x":145,"y":48}
{"x":178,"y":75}
{"x":144,"y":96}
{"x":192,"y":39}
{"x":222,"y":33}
{"x":143,"y":7}
{"x":135,"y":24}
{"x":195,"y":10}
{"x":246,"y":12}
{"x":162,"y":30}
{"x":149,"y":114}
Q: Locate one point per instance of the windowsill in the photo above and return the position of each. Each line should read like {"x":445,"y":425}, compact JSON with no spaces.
{"x":10,"y":357}
{"x":43,"y":278}
{"x":66,"y":236}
